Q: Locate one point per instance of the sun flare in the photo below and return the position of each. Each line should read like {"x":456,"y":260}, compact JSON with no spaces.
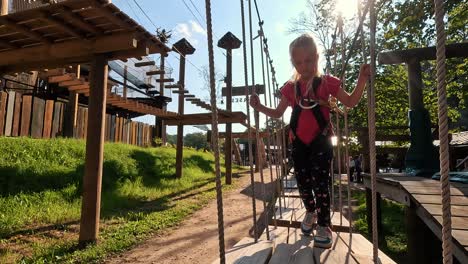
{"x":347,"y":8}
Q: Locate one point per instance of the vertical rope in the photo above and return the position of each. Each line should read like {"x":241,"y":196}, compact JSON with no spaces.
{"x":443,"y":134}
{"x":215,"y":136}
{"x":371,"y":125}
{"x":346,"y":134}
{"x":268,"y":129}
{"x":274,"y":133}
{"x":252,"y":179}
{"x":257,"y":125}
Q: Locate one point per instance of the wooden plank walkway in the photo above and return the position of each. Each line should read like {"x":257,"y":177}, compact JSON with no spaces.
{"x":287,"y":244}
{"x":425,"y":196}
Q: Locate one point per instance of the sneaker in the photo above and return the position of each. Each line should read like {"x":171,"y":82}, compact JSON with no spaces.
{"x":323,"y":237}
{"x":308,"y":223}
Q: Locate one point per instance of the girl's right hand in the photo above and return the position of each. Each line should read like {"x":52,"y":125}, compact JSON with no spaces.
{"x":254,"y":101}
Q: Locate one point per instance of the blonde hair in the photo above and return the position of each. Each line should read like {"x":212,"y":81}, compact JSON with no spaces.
{"x":307,"y":42}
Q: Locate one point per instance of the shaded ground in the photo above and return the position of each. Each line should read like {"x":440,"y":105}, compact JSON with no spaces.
{"x":195,"y":240}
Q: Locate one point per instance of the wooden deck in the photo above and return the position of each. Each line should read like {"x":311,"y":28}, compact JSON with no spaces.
{"x":424,"y":195}
{"x":287,"y":244}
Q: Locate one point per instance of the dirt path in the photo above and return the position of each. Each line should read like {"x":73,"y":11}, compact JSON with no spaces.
{"x":195,"y":240}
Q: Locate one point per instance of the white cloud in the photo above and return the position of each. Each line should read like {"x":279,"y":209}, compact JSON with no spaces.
{"x":190,"y":31}
{"x":197,"y":28}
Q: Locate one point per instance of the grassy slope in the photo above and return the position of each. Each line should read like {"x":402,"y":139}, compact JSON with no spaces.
{"x":395,"y":242}
{"x":40,"y":197}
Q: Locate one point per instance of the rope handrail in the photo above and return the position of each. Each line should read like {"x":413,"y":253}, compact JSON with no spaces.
{"x":252,"y":180}
{"x":215,"y":135}
{"x":443,"y":133}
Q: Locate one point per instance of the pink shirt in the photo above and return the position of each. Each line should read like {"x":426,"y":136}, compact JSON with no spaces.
{"x":307,"y":126}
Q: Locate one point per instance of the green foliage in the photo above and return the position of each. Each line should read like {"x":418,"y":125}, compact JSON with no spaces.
{"x":41,"y":189}
{"x":401,"y":24}
{"x":196,"y":140}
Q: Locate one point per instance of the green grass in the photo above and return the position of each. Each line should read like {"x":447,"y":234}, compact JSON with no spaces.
{"x":395,"y":240}
{"x":40,"y":197}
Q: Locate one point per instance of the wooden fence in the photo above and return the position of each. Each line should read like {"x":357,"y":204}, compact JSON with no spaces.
{"x":26,"y":115}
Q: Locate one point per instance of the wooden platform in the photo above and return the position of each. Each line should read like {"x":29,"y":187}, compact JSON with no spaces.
{"x":424,"y":195}
{"x":71,"y":32}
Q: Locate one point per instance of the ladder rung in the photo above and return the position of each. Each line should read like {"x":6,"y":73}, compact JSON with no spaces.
{"x":180,"y":92}
{"x":172,"y":86}
{"x":155,"y":72}
{"x":165,"y":80}
{"x":144,"y":63}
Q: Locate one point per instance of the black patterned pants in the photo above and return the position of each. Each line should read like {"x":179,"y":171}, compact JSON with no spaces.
{"x":311,"y":168}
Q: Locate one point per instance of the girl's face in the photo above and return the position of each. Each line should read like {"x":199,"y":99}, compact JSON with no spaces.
{"x":305,"y":62}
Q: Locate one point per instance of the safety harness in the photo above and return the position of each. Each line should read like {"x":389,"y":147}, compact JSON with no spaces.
{"x":308,"y":104}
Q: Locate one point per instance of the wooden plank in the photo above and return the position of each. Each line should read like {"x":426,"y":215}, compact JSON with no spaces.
{"x":437,"y":199}
{"x":49,"y":110}
{"x":26,"y":115}
{"x":457,"y":222}
{"x":112,"y":128}
{"x":433,"y":190}
{"x":37,"y":123}
{"x":86,"y":123}
{"x":3,"y":104}
{"x":456,"y":210}
{"x":9,"y":113}
{"x":293,"y":247}
{"x":247,"y":251}
{"x":458,"y":251}
{"x":107,"y":127}
{"x":461,"y":236}
{"x":55,"y":121}
{"x":17,"y":116}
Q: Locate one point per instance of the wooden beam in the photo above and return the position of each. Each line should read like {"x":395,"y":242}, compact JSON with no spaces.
{"x":76,"y":19}
{"x":91,"y":205}
{"x":24,"y":30}
{"x":203,"y":119}
{"x":144,"y":63}
{"x":69,"y":50}
{"x":48,"y":16}
{"x":456,"y":50}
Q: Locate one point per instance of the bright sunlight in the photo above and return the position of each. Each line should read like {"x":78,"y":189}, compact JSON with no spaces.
{"x":347,"y":8}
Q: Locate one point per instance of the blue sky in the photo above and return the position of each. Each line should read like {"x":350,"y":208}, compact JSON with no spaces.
{"x":174,"y":15}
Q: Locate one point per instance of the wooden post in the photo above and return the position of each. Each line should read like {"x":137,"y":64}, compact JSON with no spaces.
{"x":228,"y":42}
{"x":91,"y":203}
{"x":159,"y":124}
{"x":184,"y":48}
{"x":4,"y":7}
{"x":423,"y":244}
{"x":228,"y":140}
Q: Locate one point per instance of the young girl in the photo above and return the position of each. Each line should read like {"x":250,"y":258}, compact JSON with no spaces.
{"x":308,"y":93}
